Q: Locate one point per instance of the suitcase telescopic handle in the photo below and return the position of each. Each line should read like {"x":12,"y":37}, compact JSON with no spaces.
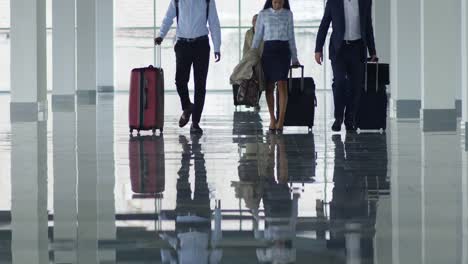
{"x":158,"y":56}
{"x":291,"y":68}
{"x":376,"y":62}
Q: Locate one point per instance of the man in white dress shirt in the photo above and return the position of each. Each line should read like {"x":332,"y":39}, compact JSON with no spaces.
{"x":192,"y":48}
{"x":353,"y":33}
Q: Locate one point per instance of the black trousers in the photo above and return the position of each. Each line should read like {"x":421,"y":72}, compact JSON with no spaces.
{"x":200,"y":203}
{"x":348,"y":80}
{"x":196,"y":53}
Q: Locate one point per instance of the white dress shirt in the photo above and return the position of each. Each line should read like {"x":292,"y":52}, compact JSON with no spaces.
{"x":192,"y":21}
{"x":352,"y":20}
{"x":276,"y":25}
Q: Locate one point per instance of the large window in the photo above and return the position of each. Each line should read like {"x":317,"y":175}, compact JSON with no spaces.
{"x":137,"y":22}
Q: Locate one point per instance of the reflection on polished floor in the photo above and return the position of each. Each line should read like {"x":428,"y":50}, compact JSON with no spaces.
{"x":76,"y":188}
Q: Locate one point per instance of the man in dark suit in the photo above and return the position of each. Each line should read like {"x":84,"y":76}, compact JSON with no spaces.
{"x":352,"y":36}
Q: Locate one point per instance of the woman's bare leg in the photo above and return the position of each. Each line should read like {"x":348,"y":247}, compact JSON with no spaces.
{"x":270,"y":97}
{"x":283,"y":102}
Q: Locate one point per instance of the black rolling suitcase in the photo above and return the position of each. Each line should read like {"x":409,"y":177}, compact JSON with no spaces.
{"x":302,"y":101}
{"x":372,"y":108}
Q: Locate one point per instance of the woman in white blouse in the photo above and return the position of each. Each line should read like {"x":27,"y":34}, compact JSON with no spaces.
{"x":275,"y":26}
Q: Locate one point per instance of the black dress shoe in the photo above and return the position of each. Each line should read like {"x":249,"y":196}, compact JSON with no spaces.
{"x":185,"y":117}
{"x":196,"y":129}
{"x":337,"y":125}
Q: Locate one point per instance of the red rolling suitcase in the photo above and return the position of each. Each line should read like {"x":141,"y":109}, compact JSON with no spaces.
{"x":147,"y":170}
{"x":146,"y":101}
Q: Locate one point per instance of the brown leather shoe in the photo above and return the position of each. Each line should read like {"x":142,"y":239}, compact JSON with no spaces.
{"x":185,"y":117}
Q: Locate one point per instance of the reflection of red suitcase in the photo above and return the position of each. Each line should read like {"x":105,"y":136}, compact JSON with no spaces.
{"x":147,"y":170}
{"x":146,"y":102}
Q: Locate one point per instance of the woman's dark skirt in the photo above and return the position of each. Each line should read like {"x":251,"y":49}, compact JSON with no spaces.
{"x":276,"y":60}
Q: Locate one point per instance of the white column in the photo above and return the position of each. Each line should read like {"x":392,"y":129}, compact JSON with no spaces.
{"x":441,"y":198}
{"x":107,"y":229}
{"x":459,"y":61}
{"x":28,"y":59}
{"x":441,"y":74}
{"x":383,"y":231}
{"x":29,"y":193}
{"x":465,"y":206}
{"x":382,"y":29}
{"x":464,"y":55}
{"x":87,"y":184}
{"x":65,"y":179}
{"x":63,"y":51}
{"x":405,"y":58}
{"x":105,"y":45}
{"x":406,"y":192}
{"x":86,"y":49}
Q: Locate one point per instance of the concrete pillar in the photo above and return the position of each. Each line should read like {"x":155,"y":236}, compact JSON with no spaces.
{"x":383,"y":232}
{"x":87,"y":184}
{"x":105,"y":45}
{"x":86,"y":50}
{"x":107,"y":229}
{"x":65,"y":179}
{"x":459,"y":61}
{"x":465,"y":206}
{"x":464,"y":55}
{"x":382,"y":29}
{"x":29,"y":220}
{"x":406,"y":192}
{"x":441,"y":198}
{"x":405,"y":63}
{"x":63,"y":49}
{"x":441,"y":74}
{"x":28,"y":60}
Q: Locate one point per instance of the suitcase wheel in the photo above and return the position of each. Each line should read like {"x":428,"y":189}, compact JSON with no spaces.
{"x":154,"y":131}
{"x":138,"y":134}
{"x":161,"y":130}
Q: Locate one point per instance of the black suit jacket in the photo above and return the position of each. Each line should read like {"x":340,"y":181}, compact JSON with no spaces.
{"x":334,"y":13}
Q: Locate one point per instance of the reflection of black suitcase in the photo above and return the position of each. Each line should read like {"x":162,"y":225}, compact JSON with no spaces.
{"x":372,"y":109}
{"x":300,"y":110}
{"x":301,"y":169}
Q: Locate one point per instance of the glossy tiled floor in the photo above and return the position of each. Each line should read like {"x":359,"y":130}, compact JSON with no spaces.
{"x":71,"y":190}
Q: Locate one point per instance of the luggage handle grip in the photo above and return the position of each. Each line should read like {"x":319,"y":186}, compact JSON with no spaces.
{"x":302,"y":76}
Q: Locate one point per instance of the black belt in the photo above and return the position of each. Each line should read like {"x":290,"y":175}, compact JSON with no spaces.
{"x":193,"y":39}
{"x":352,"y":42}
